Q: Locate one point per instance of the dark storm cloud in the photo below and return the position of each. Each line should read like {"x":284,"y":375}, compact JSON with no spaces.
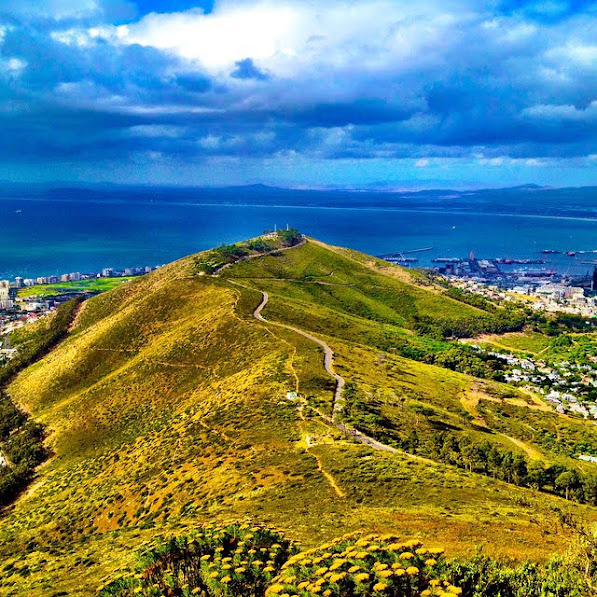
{"x":246,"y":69}
{"x":518,"y":80}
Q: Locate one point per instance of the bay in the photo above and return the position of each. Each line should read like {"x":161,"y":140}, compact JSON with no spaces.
{"x":45,"y":236}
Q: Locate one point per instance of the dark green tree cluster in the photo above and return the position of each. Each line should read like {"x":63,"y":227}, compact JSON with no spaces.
{"x":515,"y":468}
{"x":499,"y":322}
{"x":465,"y":360}
{"x":21,"y":440}
{"x":21,"y":444}
{"x":290,"y":237}
{"x":554,"y":325}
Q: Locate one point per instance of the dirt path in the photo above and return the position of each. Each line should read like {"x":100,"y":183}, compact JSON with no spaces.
{"x":328,"y":358}
{"x":330,"y":479}
{"x":328,"y":363}
{"x":340,"y":382}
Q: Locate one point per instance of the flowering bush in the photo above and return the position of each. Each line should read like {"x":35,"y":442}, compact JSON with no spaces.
{"x":371,"y":565}
{"x":233,"y":560}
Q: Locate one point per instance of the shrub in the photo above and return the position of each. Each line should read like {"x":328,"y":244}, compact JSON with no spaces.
{"x":234,"y":560}
{"x":371,"y":565}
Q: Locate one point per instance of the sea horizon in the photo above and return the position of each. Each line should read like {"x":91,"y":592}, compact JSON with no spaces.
{"x":68,"y":230}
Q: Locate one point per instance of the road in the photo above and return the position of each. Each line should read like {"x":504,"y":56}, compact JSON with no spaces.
{"x":328,"y":355}
{"x":328,"y":362}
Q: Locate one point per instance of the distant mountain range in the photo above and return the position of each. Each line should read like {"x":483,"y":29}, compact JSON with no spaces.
{"x":525,"y":199}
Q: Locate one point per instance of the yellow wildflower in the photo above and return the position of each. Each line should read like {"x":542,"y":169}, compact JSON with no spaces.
{"x":327,"y":593}
{"x":337,"y":564}
{"x":214,"y":575}
{"x":321,"y":571}
{"x":239,"y":570}
{"x":226,"y":567}
{"x":395,"y":546}
{"x":430,"y":562}
{"x":399,"y":572}
{"x":386,"y":573}
{"x":269,"y":569}
{"x":407,"y":555}
{"x":337,"y":577}
{"x":275,"y":589}
{"x":412,"y":570}
{"x":361,"y":577}
{"x":454,"y":590}
{"x":354,"y":569}
{"x":380,"y":586}
{"x":226,"y":579}
{"x":205,"y":557}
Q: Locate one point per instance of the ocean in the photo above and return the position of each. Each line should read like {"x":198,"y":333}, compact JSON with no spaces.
{"x":65,"y":232}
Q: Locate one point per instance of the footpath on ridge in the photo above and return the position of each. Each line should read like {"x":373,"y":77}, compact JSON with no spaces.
{"x":328,"y":363}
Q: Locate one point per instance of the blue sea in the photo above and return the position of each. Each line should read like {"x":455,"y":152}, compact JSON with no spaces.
{"x":54,"y":233}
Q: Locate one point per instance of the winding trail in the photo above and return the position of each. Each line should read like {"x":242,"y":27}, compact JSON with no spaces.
{"x":328,"y":358}
{"x":340,"y":382}
{"x":328,"y":363}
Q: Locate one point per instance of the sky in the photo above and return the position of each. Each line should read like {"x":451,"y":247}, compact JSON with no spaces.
{"x":386,"y":94}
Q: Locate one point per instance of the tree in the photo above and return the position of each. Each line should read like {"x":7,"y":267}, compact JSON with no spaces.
{"x":536,"y":475}
{"x":519,"y":470}
{"x":567,"y":481}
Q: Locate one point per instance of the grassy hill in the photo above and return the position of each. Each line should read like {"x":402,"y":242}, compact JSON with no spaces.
{"x":165,"y":408}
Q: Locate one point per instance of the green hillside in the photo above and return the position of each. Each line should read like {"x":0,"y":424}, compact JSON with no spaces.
{"x":166,"y":408}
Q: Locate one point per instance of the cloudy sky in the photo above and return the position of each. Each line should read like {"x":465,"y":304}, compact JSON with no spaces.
{"x":394,"y":93}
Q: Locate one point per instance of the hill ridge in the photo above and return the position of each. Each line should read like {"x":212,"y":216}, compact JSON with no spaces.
{"x":146,"y":445}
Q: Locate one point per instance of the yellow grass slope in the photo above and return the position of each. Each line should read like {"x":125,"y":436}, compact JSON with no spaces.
{"x":166,"y":408}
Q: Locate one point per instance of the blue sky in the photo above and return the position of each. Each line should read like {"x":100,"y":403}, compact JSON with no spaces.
{"x":376,"y":93}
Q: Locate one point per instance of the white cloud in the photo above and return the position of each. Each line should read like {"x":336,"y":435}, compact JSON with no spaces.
{"x":289,"y":36}
{"x":561,"y":112}
{"x":422,"y":163}
{"x":12,"y":66}
{"x":581,"y":54}
{"x":534,"y":162}
{"x":157,"y":131}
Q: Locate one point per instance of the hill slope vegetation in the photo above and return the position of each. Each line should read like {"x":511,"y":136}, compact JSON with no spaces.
{"x":166,"y":408}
